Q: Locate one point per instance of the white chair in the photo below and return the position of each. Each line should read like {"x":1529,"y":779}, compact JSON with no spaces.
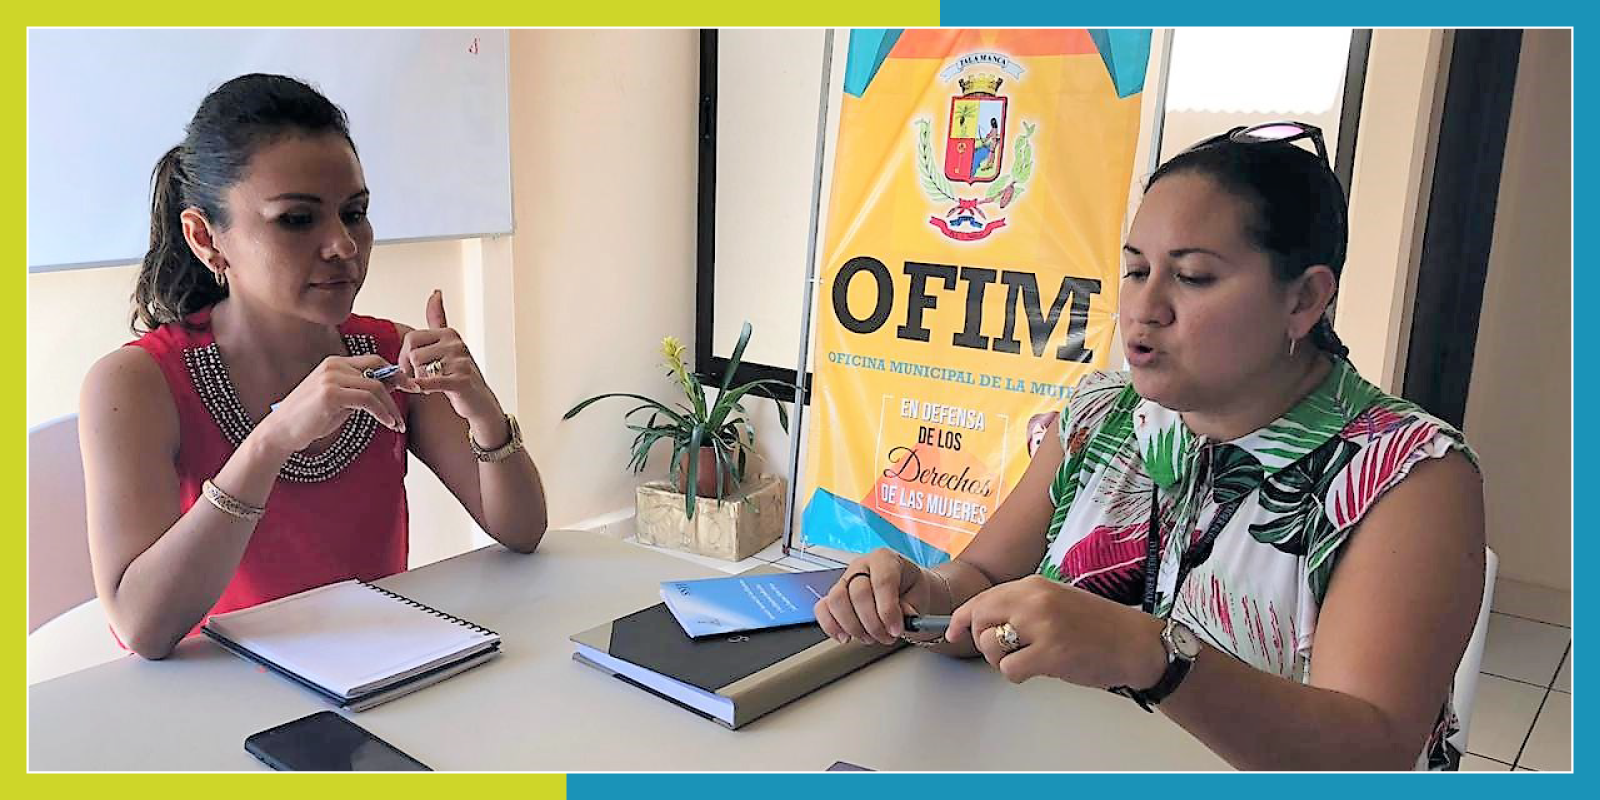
{"x":1466,"y":683}
{"x":67,"y":628}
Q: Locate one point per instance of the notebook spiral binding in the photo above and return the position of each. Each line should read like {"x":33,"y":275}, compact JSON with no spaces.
{"x":430,"y":609}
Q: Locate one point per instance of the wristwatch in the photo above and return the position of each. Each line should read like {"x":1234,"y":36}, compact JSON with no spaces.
{"x":1182,"y":646}
{"x":501,"y":453}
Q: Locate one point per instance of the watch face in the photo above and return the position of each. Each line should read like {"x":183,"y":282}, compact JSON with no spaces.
{"x":1184,"y":641}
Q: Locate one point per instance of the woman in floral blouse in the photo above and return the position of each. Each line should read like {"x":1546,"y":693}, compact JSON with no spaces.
{"x":1319,"y":563}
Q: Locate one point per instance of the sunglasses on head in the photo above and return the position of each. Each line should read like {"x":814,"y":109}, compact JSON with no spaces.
{"x":1279,"y":132}
{"x":1284,"y":132}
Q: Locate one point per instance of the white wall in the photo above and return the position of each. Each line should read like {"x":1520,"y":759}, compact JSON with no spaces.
{"x":1389,"y":198}
{"x":1519,"y":407}
{"x":604,"y":175}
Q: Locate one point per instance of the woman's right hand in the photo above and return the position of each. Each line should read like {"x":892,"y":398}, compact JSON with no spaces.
{"x":327,"y":397}
{"x":873,"y":608}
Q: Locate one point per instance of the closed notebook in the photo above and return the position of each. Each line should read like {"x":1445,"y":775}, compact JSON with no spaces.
{"x":730,"y":679}
{"x":354,"y":643}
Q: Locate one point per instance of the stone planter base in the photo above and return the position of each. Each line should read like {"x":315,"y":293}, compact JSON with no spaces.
{"x":735,"y":529}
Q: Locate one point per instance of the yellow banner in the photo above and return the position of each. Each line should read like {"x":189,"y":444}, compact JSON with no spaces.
{"x":968,"y":280}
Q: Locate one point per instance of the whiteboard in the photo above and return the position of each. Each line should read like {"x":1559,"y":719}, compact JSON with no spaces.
{"x":429,"y":112}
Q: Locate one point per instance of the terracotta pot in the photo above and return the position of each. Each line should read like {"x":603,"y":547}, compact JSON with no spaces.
{"x":705,"y":484}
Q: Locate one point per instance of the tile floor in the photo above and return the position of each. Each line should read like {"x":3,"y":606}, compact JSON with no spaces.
{"x":1523,"y":717}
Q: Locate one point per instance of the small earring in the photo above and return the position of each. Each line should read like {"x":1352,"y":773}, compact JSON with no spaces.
{"x":1292,"y":341}
{"x":221,"y":278}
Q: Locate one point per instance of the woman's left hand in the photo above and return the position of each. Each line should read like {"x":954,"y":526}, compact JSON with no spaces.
{"x":453,"y":373}
{"x":1065,"y":632}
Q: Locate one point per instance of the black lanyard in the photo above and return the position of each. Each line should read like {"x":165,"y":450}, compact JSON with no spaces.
{"x":1152,"y":552}
{"x":1191,"y":554}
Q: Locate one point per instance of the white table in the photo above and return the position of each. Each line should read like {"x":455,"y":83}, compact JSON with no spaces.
{"x":536,"y":709}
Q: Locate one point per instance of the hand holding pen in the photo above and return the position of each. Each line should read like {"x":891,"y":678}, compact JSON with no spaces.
{"x":337,"y":388}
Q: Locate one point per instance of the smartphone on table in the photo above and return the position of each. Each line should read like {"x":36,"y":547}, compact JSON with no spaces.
{"x":327,"y":742}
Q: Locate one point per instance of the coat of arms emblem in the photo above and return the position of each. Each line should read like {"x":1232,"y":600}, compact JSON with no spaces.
{"x":976,"y":152}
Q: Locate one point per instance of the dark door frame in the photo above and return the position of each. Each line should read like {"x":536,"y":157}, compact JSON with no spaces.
{"x":1459,"y":229}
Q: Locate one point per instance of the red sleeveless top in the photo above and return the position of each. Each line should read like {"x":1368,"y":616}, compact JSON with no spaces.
{"x":331,"y":516}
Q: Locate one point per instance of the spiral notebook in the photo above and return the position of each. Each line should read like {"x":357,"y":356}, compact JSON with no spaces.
{"x":356,"y":644}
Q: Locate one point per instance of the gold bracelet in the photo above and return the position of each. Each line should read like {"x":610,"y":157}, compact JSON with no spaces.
{"x":230,"y":505}
{"x":503,"y":452}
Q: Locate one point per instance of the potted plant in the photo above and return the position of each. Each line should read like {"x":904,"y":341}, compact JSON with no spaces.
{"x":703,"y":433}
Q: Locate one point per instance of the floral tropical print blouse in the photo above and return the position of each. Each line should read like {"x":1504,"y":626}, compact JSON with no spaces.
{"x":1264,"y":516}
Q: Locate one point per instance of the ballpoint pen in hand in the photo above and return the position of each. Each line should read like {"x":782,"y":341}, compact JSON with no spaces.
{"x":926,"y":623}
{"x":383,"y":373}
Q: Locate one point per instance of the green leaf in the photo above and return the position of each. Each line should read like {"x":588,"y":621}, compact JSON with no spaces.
{"x":738,"y":356}
{"x":1297,"y":439}
{"x":637,"y":409}
{"x":725,"y":403}
{"x":658,"y":431}
{"x":1114,"y":431}
{"x":1161,"y":457}
{"x":697,"y":397}
{"x":1050,"y":570}
{"x":1279,"y":532}
{"x":1325,"y":541}
{"x":1235,"y":473}
{"x":1066,"y":490}
{"x":1022,"y":167}
{"x":641,"y":449}
{"x":783,"y":414}
{"x":690,"y":479}
{"x":1296,"y":495}
{"x":670,"y":414}
{"x":721,"y":458}
{"x":1324,"y":554}
{"x":1324,"y":412}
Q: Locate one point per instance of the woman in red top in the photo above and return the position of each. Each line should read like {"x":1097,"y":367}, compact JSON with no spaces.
{"x":242,"y":449}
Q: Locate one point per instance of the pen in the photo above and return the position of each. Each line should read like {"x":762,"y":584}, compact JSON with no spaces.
{"x":927,"y":624}
{"x":382,"y":373}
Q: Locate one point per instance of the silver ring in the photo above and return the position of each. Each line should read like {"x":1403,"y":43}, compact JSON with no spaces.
{"x":434,"y":368}
{"x":1006,"y":635}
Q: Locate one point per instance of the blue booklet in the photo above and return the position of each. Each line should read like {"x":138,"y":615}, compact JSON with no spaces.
{"x":747,"y":602}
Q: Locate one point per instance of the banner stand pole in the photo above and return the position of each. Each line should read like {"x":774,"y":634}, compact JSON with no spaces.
{"x":1159,"y":123}
{"x":801,"y":374}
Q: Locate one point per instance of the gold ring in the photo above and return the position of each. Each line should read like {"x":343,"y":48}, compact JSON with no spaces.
{"x":434,"y":368}
{"x":1006,"y":635}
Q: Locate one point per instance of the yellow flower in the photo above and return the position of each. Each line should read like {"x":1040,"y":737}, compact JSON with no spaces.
{"x":674,"y":350}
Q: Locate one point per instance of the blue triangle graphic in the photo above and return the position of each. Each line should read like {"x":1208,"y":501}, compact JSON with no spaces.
{"x":868,"y":48}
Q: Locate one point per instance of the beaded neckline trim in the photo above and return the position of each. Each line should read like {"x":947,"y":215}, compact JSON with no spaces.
{"x":209,"y":374}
